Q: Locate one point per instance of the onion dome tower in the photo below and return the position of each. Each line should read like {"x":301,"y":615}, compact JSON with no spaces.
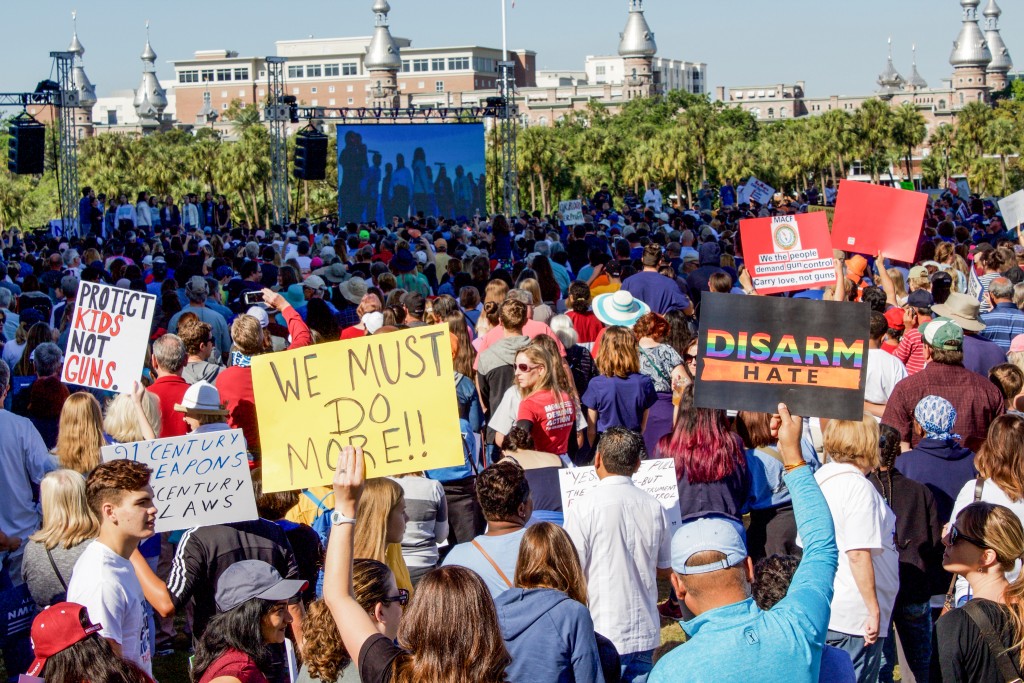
{"x":150,"y":98}
{"x":889,"y":81}
{"x":383,"y":60}
{"x":916,"y":82}
{"x":85,"y":89}
{"x":637,"y":48}
{"x":970,"y":58}
{"x":1001,"y":64}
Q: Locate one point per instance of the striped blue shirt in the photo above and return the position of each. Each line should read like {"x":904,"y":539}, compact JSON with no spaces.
{"x":1002,"y":324}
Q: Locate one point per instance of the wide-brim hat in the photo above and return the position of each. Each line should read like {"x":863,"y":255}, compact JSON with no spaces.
{"x":404,"y":261}
{"x":333,"y":273}
{"x":963,"y":309}
{"x":353,"y":289}
{"x":202,"y":398}
{"x":619,"y":308}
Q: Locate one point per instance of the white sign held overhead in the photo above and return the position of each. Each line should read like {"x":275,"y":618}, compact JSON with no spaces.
{"x":656,"y":477}
{"x":198,"y":479}
{"x":572,"y":212}
{"x":1012,"y":208}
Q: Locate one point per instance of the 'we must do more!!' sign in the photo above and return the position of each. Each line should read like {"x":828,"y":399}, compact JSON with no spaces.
{"x":391,"y":394}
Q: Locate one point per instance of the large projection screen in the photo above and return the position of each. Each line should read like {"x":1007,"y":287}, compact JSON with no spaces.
{"x":396,"y":169}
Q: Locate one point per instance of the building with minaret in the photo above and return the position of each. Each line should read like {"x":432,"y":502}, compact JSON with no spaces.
{"x":637,"y":49}
{"x":970,"y":59}
{"x":150,"y":98}
{"x":383,"y":61}
{"x":1001,"y":64}
{"x":85,"y":89}
{"x":889,"y":81}
{"x":915,"y":82}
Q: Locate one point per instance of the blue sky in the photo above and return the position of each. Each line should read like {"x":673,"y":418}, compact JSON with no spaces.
{"x":836,"y":47}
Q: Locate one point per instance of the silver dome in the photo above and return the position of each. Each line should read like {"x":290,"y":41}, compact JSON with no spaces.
{"x":75,"y":47}
{"x":381,"y":7}
{"x":916,"y":81}
{"x":382,"y":54}
{"x":1001,"y":62}
{"x":637,"y":40}
{"x":150,"y":98}
{"x":147,"y":53}
{"x":970,"y":48}
{"x":992,"y":9}
{"x":86,"y":90}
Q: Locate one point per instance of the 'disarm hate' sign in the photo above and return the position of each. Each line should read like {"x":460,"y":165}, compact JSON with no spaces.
{"x":391,"y":394}
{"x":756,"y":352}
{"x":109,"y":334}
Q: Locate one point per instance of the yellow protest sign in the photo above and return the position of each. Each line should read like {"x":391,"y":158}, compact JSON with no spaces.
{"x":393,"y":394}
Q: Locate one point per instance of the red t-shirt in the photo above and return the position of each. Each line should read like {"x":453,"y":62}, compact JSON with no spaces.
{"x":587,"y":326}
{"x":352,"y":332}
{"x":552,"y":420}
{"x":170,"y":389}
{"x":237,"y":664}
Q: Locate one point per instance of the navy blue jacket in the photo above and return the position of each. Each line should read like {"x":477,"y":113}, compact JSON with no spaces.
{"x":943,"y":466}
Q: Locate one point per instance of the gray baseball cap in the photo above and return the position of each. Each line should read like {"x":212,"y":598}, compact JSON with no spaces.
{"x":250,"y":579}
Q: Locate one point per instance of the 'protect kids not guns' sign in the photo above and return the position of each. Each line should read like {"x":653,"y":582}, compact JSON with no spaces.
{"x":756,"y":352}
{"x":391,"y":394}
{"x":198,"y":479}
{"x":109,"y":333}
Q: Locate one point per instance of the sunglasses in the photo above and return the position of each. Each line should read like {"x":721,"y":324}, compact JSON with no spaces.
{"x":523,"y":367}
{"x":402,"y":598}
{"x":956,"y":535}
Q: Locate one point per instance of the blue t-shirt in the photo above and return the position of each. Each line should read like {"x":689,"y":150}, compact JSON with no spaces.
{"x":662,"y":294}
{"x":620,"y":402}
{"x":504,"y":550}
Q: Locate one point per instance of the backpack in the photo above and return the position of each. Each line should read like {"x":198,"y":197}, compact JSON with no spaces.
{"x":322,"y":526}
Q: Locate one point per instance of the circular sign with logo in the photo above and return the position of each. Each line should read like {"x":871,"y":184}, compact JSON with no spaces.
{"x":786,"y":236}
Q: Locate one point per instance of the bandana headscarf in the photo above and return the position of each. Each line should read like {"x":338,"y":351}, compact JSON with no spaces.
{"x":239,"y":359}
{"x":936,"y":416}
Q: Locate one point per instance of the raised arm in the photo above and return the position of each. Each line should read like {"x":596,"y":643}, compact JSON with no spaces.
{"x":885,"y":280}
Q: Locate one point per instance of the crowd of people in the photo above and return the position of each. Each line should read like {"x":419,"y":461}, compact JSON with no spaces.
{"x":806,"y":546}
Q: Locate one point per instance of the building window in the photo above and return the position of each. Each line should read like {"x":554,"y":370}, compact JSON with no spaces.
{"x":782,"y":112}
{"x":351,"y":101}
{"x":224,"y":106}
{"x":437,"y":64}
{"x":405,"y":66}
{"x":314,"y":71}
{"x":600,"y":71}
{"x":206,"y":75}
{"x":349,"y":69}
{"x":458,"y":63}
{"x":111,"y":117}
{"x":330,"y":88}
{"x":331,"y":70}
{"x":295,"y":91}
{"x":438,"y":86}
{"x":314,"y":103}
{"x":223,"y":74}
{"x":483,"y":64}
{"x":224,"y":93}
{"x":771,"y":113}
{"x":242,"y":74}
{"x":942,"y":104}
{"x":313,"y":90}
{"x":295,"y":71}
{"x":188,"y":77}
{"x":420,"y":64}
{"x":241,"y":93}
{"x":421,"y":85}
{"x":348,"y":88}
{"x":331,"y":102}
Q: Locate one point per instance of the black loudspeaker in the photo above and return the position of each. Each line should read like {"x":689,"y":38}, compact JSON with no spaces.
{"x":310,"y":156}
{"x":26,"y":151}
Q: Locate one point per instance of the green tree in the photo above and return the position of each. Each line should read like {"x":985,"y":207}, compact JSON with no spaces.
{"x":909,"y":131}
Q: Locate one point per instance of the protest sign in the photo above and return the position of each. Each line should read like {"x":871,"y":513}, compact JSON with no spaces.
{"x":872,"y":218}
{"x":656,"y":477}
{"x":109,"y":333}
{"x":392,"y":394}
{"x":572,"y":212}
{"x":788,"y":253}
{"x":755,"y":352}
{"x":1012,"y":208}
{"x":198,"y":479}
{"x":829,"y":211}
{"x":760,"y":192}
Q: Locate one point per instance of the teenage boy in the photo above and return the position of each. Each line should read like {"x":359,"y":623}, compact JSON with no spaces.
{"x":104,"y":580}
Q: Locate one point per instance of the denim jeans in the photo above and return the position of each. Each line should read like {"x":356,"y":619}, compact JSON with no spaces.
{"x":636,"y":666}
{"x":914,"y":624}
{"x":867,"y":659}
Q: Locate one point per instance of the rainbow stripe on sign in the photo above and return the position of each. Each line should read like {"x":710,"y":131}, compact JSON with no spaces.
{"x":759,"y":346}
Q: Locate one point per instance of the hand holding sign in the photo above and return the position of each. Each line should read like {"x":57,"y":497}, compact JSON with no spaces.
{"x":788,"y":429}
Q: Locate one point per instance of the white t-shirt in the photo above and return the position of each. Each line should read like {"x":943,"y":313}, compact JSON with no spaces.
{"x":106,"y":584}
{"x":652,"y":200}
{"x":863,"y":522}
{"x":884,"y":370}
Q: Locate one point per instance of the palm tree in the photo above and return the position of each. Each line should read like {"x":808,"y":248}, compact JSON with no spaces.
{"x":908,"y":133}
{"x":841,"y":139}
{"x":873,"y":123}
{"x":1002,"y":138}
{"x":943,"y":141}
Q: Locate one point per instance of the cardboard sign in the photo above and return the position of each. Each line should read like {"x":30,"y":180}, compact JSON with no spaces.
{"x":656,"y":477}
{"x":760,"y":192}
{"x":197,"y":480}
{"x":788,"y":253}
{"x":872,"y":218}
{"x":392,"y":394}
{"x":1012,"y":208}
{"x":755,"y":352}
{"x":572,"y":212}
{"x":829,"y":211}
{"x":108,"y":339}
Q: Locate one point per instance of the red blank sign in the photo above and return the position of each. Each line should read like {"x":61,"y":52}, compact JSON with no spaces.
{"x":874,"y":218}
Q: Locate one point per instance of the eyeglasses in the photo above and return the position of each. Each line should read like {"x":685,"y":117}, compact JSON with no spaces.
{"x":957,"y":535}
{"x":402,"y":598}
{"x":523,"y":367}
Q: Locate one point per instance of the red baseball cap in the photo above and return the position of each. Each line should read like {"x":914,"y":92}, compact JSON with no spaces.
{"x":57,"y":628}
{"x":894,"y":316}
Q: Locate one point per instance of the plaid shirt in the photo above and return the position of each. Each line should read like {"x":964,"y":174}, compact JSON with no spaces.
{"x":1002,"y":324}
{"x":977,"y":401}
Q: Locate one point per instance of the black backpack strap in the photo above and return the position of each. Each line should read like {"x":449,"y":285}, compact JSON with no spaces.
{"x":1007,"y":670}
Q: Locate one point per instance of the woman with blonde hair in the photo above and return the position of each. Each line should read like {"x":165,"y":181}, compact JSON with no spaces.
{"x":620,"y":396}
{"x":544,"y":618}
{"x":69,"y":525}
{"x":542,"y":312}
{"x":899,"y":285}
{"x":133,"y":417}
{"x":867,"y":579}
{"x":370,"y":303}
{"x":381,"y":527}
{"x":80,"y":433}
{"x":983,"y":543}
{"x":494,"y":295}
{"x":324,"y":657}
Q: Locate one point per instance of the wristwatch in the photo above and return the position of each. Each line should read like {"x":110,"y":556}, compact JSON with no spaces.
{"x":337,"y":519}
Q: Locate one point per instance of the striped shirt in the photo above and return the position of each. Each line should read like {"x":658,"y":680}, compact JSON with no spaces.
{"x":1002,"y":324}
{"x":911,"y":349}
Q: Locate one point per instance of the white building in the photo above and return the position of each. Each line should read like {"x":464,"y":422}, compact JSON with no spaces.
{"x":669,"y":74}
